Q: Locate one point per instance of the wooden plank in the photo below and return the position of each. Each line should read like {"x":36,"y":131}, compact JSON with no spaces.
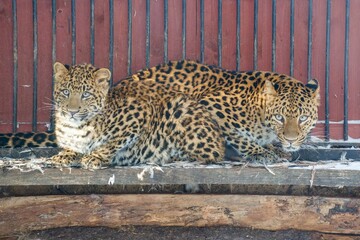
{"x":6,"y":66}
{"x":354,"y":85}
{"x":25,"y":67}
{"x":211,"y":32}
{"x":209,"y":180}
{"x":332,"y":215}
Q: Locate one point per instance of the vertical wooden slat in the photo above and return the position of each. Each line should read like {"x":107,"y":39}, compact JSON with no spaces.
{"x":44,"y":93}
{"x":6,"y":66}
{"x":264,"y":35}
{"x":247,"y":35}
{"x":336,"y":68}
{"x":25,"y":65}
{"x":193,"y":30}
{"x":157,"y":32}
{"x":120,"y":40}
{"x":318,"y":58}
{"x":102,"y":33}
{"x":83,"y":48}
{"x":63,"y":31}
{"x":229,"y":34}
{"x":175,"y":31}
{"x":283,"y":36}
{"x":211,"y":32}
{"x":138,"y":35}
{"x":354,"y":71}
{"x":300,"y":54}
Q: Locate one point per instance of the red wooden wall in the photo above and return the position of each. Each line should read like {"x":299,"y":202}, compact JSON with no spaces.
{"x":24,"y":56}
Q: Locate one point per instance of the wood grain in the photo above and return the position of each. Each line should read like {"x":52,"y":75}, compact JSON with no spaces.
{"x":235,"y":180}
{"x":331,"y":215}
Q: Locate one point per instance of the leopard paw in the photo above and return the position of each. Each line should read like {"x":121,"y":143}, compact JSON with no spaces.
{"x":266,"y":158}
{"x":91,"y":162}
{"x":61,"y":160}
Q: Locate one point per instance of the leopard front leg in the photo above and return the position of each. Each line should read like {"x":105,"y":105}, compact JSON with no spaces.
{"x":64,"y":158}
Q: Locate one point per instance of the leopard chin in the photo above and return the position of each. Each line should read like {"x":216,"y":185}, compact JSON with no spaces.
{"x":290,"y":148}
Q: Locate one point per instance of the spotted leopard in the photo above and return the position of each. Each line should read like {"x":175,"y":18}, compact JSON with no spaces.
{"x":254,"y":109}
{"x":97,"y":126}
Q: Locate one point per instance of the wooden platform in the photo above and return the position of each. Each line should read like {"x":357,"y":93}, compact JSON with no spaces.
{"x":313,"y":197}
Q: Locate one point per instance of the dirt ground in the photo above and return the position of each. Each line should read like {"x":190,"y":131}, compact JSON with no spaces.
{"x":173,"y":233}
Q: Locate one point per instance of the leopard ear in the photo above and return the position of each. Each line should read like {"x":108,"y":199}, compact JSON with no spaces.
{"x":102,"y":79}
{"x":269,"y":91}
{"x":60,"y":70}
{"x":313,"y":84}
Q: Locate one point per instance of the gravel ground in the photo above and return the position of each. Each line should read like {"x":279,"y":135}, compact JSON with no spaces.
{"x":173,"y":233}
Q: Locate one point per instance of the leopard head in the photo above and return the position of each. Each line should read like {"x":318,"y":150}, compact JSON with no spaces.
{"x":291,"y":110}
{"x":80,"y":91}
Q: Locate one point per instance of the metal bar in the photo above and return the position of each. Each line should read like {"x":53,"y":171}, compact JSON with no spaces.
{"x":111,"y":40}
{"x":129,"y":37}
{"x":15,"y":53}
{"x":237,"y":35}
{"x":292,"y":20}
{"x":166,"y":26}
{"x":92,"y":31}
{"x":273,"y":45}
{"x":202,"y":33}
{"x":147,"y":33}
{"x":220,"y":32}
{"x":184,"y":29}
{"x":35,"y":66}
{"x":346,"y":73}
{"x":53,"y":57}
{"x":73,"y":32}
{"x":327,"y":70}
{"x":256,"y":17}
{"x":309,"y":60}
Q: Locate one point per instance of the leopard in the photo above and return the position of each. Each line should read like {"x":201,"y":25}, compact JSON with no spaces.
{"x":97,"y":126}
{"x":254,"y":110}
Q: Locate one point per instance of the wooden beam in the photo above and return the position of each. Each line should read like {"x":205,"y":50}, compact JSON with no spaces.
{"x":220,"y":180}
{"x":330,"y":215}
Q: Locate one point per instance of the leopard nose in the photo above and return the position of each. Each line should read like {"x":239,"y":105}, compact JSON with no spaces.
{"x":72,"y":113}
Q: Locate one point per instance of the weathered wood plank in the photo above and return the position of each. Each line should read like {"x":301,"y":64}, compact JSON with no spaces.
{"x":220,"y":180}
{"x":331,"y":215}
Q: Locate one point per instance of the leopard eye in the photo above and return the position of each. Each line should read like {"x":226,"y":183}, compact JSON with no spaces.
{"x":86,"y":94}
{"x":303,"y":118}
{"x":279,"y":118}
{"x":66,"y":92}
